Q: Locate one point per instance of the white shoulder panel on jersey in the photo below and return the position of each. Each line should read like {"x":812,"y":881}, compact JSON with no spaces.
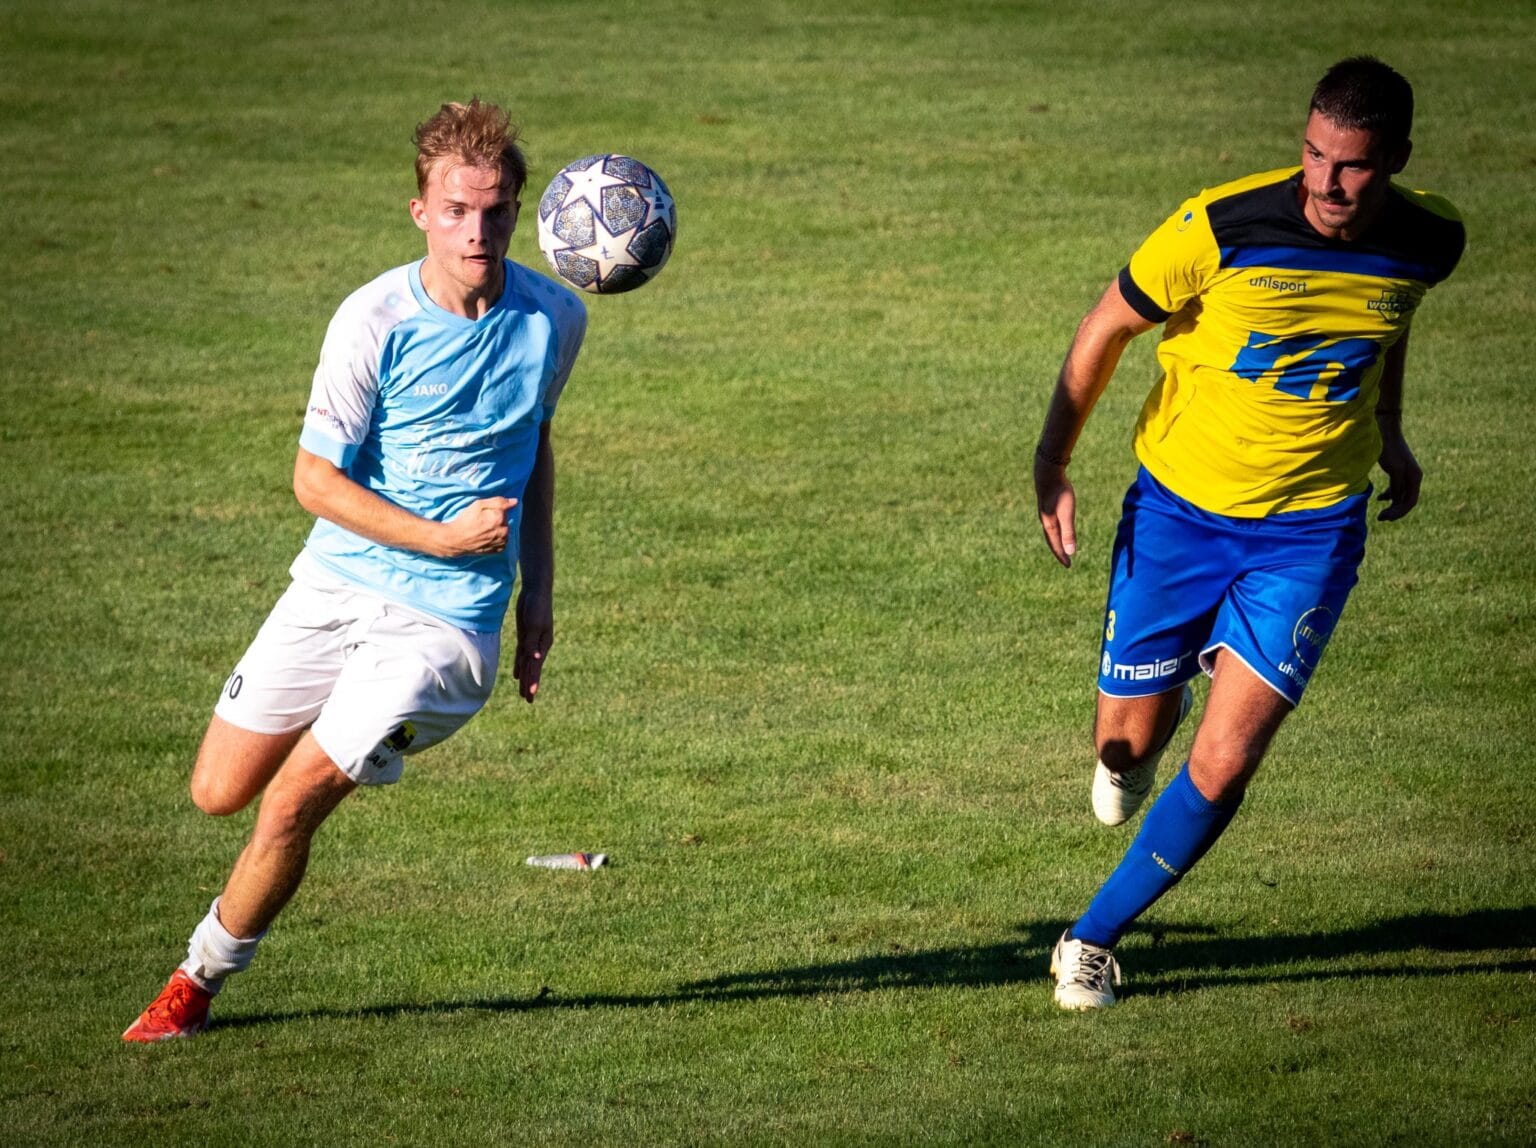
{"x":346,"y":380}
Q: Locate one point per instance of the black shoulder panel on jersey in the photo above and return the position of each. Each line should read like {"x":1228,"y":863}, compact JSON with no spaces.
{"x":1406,"y":226}
{"x":1266,"y":224}
{"x":1267,"y":216}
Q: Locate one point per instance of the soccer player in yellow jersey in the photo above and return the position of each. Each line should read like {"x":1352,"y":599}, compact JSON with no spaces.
{"x":1286,"y":300}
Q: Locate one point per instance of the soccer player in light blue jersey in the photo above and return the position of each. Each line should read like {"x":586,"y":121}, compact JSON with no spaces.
{"x":425,"y":457}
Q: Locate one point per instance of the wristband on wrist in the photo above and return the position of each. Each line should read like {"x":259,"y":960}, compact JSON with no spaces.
{"x":1054,"y":459}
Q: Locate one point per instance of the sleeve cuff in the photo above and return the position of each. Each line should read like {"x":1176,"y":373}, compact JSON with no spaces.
{"x":1139,"y":300}
{"x":338,"y":454}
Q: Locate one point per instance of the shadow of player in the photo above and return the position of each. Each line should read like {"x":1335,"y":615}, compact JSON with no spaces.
{"x":1167,"y":958}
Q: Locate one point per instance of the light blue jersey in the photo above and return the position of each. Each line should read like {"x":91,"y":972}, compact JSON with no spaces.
{"x":433,"y":411}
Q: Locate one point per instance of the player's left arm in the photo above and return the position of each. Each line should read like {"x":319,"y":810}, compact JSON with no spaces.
{"x":536,"y":571}
{"x":1404,"y":475}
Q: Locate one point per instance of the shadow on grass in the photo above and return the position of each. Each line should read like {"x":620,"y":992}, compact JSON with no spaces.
{"x":1160,"y":959}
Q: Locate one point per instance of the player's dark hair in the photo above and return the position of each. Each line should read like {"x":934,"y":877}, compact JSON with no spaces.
{"x":1365,"y":94}
{"x":476,"y":133}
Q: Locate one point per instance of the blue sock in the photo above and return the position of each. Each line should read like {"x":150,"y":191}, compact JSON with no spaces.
{"x":1178,"y":829}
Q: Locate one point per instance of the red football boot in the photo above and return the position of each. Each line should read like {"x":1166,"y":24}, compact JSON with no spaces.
{"x":181,"y":1009}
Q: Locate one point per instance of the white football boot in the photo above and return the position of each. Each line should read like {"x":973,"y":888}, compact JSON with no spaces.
{"x":1085,"y":975}
{"x":1118,"y":795}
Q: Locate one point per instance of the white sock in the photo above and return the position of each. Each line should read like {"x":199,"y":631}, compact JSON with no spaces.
{"x":214,"y":952}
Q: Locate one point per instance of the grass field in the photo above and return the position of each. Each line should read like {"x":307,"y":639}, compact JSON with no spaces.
{"x":819,"y":690}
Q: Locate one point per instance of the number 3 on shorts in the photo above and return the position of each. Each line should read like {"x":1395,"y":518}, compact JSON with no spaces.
{"x":1109,"y":628}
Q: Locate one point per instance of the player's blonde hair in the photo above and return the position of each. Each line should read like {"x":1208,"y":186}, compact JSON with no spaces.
{"x":477,"y":134}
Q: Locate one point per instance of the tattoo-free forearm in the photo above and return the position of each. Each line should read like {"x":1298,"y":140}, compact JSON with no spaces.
{"x":536,"y":542}
{"x":327,"y":492}
{"x":1101,"y":338}
{"x":1389,"y":397}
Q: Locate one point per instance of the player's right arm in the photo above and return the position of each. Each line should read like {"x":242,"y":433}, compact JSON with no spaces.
{"x":324,"y":490}
{"x":1101,"y":338}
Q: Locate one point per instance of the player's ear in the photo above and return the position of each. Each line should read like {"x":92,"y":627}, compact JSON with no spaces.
{"x":517,"y":207}
{"x":1400,"y":156}
{"x":419,"y":213}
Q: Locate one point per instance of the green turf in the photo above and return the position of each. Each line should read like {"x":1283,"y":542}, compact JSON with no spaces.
{"x":818,"y":690}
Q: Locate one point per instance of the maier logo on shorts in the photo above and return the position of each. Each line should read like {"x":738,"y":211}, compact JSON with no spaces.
{"x":1311,"y":634}
{"x":1144,"y":671}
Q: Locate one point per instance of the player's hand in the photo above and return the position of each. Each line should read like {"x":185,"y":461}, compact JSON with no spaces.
{"x":480,"y":528}
{"x":1404,"y":476}
{"x":1057,"y":502}
{"x":535,"y":635}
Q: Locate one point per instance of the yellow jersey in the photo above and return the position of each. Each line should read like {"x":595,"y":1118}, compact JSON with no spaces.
{"x":1274,"y":340}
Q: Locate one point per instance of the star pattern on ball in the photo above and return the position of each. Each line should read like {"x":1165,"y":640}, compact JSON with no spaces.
{"x":607,"y":250}
{"x":606,"y":224}
{"x":658,"y":205}
{"x":588,"y":184}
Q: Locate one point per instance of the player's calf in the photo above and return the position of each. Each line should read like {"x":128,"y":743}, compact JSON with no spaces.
{"x":1121,"y":782}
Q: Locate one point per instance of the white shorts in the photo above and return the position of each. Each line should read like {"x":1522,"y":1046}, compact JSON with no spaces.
{"x":374,"y":680}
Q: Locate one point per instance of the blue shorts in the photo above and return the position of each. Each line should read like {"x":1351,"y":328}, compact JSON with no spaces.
{"x":1186,"y":582}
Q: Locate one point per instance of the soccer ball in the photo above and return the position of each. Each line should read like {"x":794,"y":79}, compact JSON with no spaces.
{"x":606,"y":224}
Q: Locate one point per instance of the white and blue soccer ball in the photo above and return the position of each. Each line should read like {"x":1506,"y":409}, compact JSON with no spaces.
{"x":607,"y":223}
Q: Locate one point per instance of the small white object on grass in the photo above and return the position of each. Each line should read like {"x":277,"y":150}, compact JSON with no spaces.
{"x":570,"y":861}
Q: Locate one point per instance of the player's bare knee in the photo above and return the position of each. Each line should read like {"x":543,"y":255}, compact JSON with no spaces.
{"x":1222,"y":760}
{"x":1221,"y":770}
{"x":214,"y":795}
{"x":1220,"y":787}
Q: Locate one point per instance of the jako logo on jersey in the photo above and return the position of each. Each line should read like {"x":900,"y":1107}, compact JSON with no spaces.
{"x":1284,"y":286}
{"x":1143,"y":671}
{"x":428,"y":390}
